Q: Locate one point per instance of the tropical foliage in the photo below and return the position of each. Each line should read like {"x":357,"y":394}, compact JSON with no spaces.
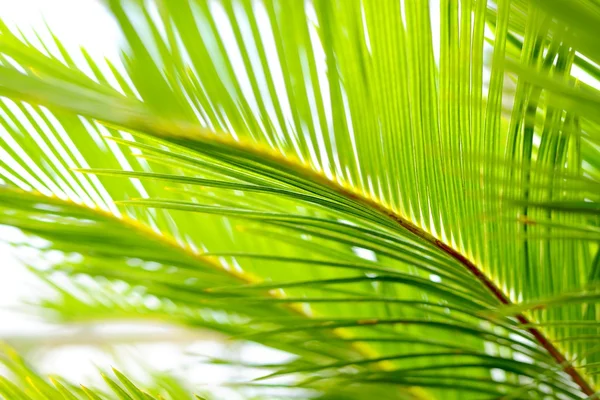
{"x":401,"y":194}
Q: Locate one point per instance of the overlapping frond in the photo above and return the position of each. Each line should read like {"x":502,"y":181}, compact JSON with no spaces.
{"x":26,"y":384}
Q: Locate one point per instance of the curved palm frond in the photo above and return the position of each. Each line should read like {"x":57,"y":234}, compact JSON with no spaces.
{"x":349,"y":190}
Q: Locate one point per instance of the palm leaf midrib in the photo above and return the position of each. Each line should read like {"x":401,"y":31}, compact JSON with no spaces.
{"x":374,"y":204}
{"x":243,"y":277}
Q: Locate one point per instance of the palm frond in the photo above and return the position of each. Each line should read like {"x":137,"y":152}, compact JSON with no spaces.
{"x":24,"y":383}
{"x":332,"y":178}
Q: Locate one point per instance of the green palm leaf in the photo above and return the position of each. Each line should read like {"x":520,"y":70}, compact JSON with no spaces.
{"x":29,"y":385}
{"x":336,"y":178}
